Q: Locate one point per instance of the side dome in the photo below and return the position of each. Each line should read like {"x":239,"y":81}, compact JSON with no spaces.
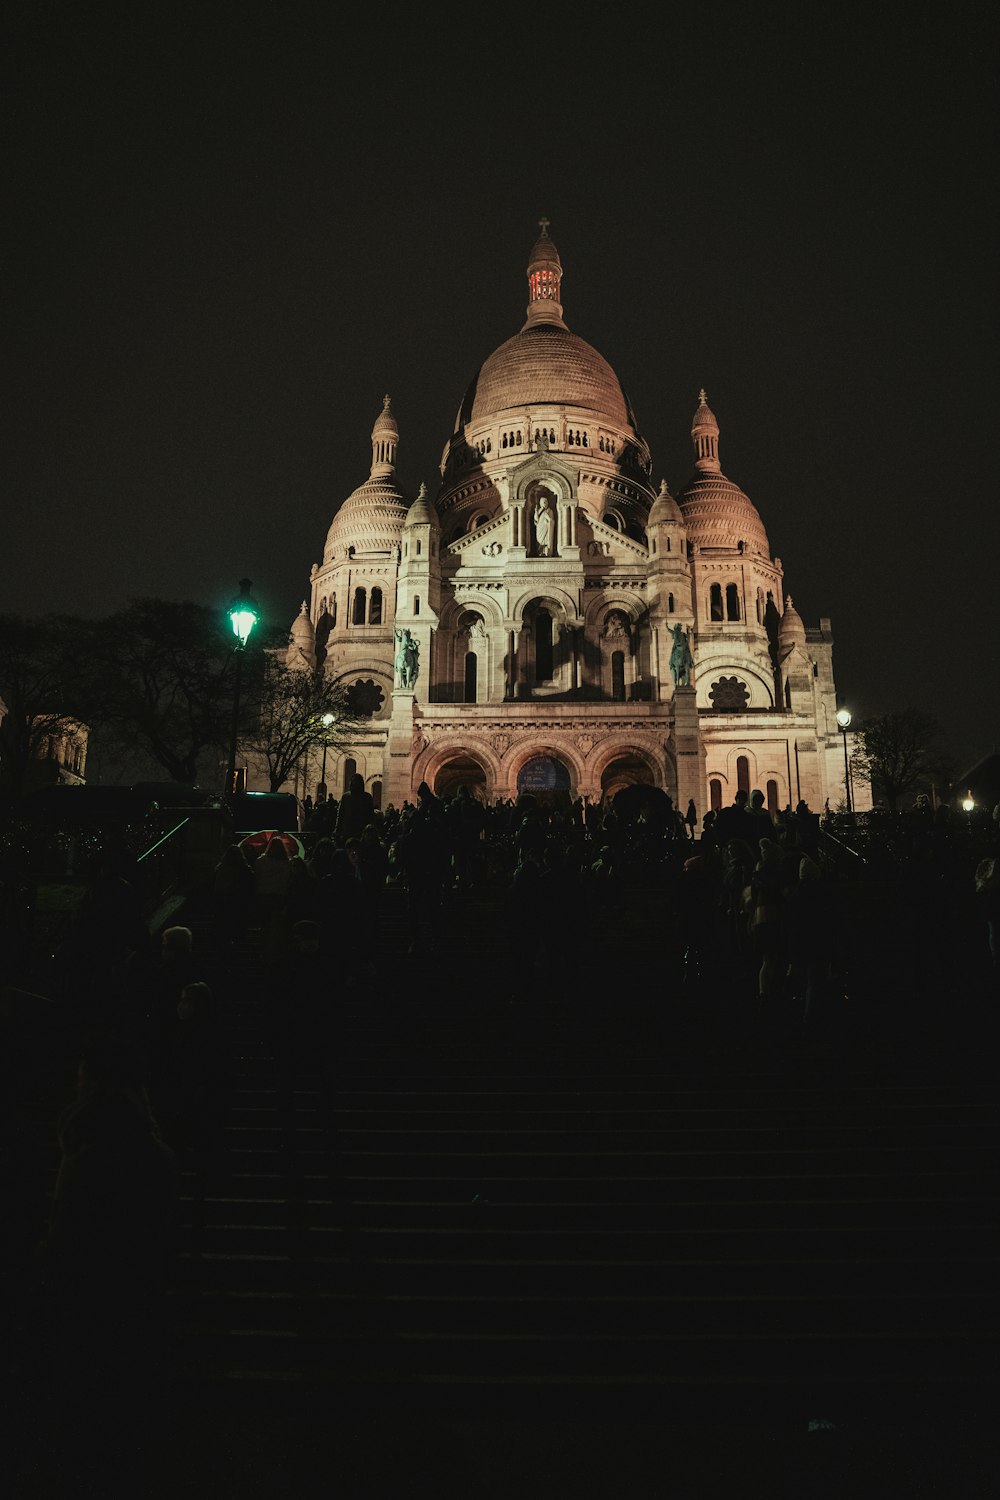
{"x":372,"y":517}
{"x":791,"y":630}
{"x":665,"y":508}
{"x":716,"y":511}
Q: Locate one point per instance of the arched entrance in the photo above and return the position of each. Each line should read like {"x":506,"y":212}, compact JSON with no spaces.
{"x":626,"y":770}
{"x":547,"y":779}
{"x":462,"y":771}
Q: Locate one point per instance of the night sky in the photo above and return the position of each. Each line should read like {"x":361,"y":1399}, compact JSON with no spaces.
{"x":228,"y":236}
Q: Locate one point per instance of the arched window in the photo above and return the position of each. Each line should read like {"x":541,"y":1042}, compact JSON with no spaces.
{"x":359,"y":607}
{"x":375,"y":608}
{"x":788,"y":695}
{"x":772,"y":796}
{"x":350,"y":769}
{"x":416,"y":604}
{"x":732,"y":601}
{"x":419,"y":547}
{"x":760,"y":606}
{"x":333,"y":611}
{"x":377,"y":794}
{"x":471,"y":677}
{"x":743,"y":774}
{"x":618,"y":676}
{"x":715,"y":794}
{"x":715,"y":601}
{"x":543,"y":646}
{"x":670,"y":604}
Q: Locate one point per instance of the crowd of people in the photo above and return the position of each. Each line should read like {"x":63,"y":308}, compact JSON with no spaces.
{"x":759,"y":925}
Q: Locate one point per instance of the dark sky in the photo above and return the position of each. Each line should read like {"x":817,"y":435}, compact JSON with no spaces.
{"x":229,"y":233}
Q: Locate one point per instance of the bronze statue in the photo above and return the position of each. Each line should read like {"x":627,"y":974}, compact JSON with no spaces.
{"x":681,"y":660}
{"x":407,"y":662}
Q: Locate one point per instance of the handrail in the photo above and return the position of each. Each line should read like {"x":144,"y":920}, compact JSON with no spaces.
{"x":153,"y":847}
{"x":841,"y":845}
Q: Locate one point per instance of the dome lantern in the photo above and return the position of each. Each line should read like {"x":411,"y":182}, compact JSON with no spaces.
{"x":385,"y":440}
{"x":705,"y":435}
{"x":544,"y":281}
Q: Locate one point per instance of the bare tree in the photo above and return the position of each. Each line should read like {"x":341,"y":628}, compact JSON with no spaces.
{"x":159,"y":682}
{"x":289,"y":719}
{"x":898,"y":752}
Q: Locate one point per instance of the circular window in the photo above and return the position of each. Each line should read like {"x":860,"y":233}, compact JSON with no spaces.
{"x":365,"y":698}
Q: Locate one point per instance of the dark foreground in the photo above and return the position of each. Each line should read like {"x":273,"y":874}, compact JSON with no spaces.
{"x":478,"y":1225}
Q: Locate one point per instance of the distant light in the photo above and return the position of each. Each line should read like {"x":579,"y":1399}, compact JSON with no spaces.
{"x":843,"y":717}
{"x":327,"y":720}
{"x":968,"y":804}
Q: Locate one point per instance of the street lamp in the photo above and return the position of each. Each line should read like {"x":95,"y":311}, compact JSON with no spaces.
{"x":326,"y":721}
{"x":969,"y":806}
{"x":243,"y":612}
{"x":844,"y":723}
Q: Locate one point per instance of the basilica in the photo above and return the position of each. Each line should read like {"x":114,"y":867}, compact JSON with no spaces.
{"x":552,"y":619}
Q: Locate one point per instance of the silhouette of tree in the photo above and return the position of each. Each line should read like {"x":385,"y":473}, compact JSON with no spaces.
{"x":288,"y":719}
{"x":898,"y":752}
{"x":158,"y":680}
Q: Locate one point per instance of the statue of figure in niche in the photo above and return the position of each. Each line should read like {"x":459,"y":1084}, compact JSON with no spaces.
{"x":407,"y":661}
{"x":681,"y":660}
{"x":544,"y":526}
{"x":616,"y":625}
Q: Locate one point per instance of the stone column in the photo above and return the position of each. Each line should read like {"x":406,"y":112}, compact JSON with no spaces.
{"x":689,"y":750}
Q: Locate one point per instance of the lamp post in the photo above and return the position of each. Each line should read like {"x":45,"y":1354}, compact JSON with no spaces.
{"x":969,"y":807}
{"x":326,"y":721}
{"x":243,"y":613}
{"x":844,"y":723}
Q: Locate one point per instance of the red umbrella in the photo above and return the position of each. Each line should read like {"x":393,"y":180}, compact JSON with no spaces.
{"x":256,"y":843}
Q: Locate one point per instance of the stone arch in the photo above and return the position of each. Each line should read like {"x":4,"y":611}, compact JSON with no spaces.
{"x":712,"y":668}
{"x":481,"y":604}
{"x":547,"y":477}
{"x":628,"y":751}
{"x":517,"y":759}
{"x":433,"y":760}
{"x":596,"y":610}
{"x":733,"y":755}
{"x":547,"y":596}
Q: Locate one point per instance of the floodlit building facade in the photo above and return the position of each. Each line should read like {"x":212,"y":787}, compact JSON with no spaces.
{"x":552,"y":619}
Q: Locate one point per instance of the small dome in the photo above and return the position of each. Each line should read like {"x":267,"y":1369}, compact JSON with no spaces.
{"x":718,"y":514}
{"x":302,"y":631}
{"x":385,"y":422}
{"x":704,"y":418}
{"x":421,"y":512}
{"x":665,"y":508}
{"x":791,"y":631}
{"x":544,"y":251}
{"x":371,"y":519}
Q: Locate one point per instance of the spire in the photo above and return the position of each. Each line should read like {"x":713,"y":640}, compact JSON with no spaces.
{"x":705,"y":435}
{"x":544,"y":281}
{"x":385,"y":440}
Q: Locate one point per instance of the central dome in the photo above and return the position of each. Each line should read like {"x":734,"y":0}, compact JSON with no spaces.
{"x":545,"y":364}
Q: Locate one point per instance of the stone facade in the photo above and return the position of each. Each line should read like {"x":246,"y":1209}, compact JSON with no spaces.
{"x":546,"y":586}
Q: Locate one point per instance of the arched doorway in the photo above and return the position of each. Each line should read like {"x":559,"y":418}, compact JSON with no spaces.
{"x":462,"y":771}
{"x":626,"y":770}
{"x":547,"y":780}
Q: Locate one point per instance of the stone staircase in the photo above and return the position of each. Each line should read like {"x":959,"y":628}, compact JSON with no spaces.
{"x":459,"y":1201}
